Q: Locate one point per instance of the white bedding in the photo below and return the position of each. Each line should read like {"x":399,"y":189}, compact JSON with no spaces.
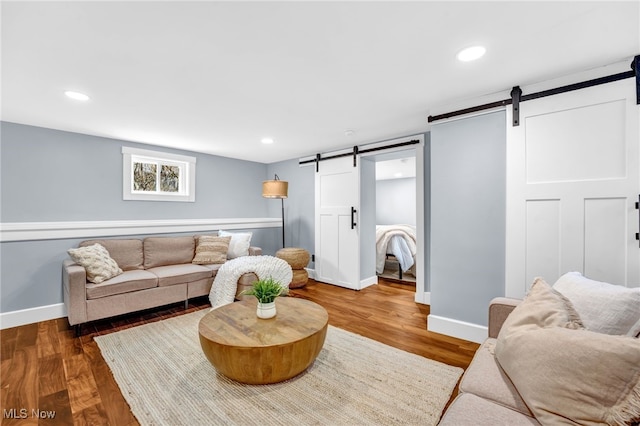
{"x":399,"y":240}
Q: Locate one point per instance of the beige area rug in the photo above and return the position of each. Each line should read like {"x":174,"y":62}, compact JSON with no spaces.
{"x":167,"y":380}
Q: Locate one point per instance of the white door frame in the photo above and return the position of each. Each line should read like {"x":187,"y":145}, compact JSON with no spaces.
{"x":423,"y":294}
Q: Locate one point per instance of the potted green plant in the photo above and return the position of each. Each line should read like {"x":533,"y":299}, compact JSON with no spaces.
{"x":265,"y":290}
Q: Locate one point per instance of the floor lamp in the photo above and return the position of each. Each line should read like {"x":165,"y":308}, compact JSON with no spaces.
{"x":276,"y":188}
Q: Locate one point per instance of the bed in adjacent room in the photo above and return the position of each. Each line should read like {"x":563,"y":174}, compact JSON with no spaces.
{"x":398,"y":241}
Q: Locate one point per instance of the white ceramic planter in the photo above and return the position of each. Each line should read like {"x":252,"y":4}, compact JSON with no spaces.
{"x":266,"y":310}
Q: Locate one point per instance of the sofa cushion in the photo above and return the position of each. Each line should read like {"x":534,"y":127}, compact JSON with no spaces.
{"x":214,"y":267}
{"x":485,"y":378}
{"x":126,"y":282}
{"x":178,"y":274}
{"x":211,"y":250}
{"x":469,"y":409}
{"x":239,"y":245}
{"x":255,"y":251}
{"x":126,"y":252}
{"x":96,"y":261}
{"x":566,"y":374}
{"x":162,"y":251}
{"x":603,"y":307}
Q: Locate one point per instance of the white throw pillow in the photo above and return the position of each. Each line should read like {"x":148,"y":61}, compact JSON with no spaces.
{"x":603,"y":308}
{"x":239,"y":245}
{"x":96,"y":261}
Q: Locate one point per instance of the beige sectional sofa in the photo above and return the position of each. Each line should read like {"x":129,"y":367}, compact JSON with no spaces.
{"x":156,"y":271}
{"x":566,"y":354}
{"x":486,"y":395}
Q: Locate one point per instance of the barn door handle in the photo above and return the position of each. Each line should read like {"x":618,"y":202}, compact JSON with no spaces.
{"x":353,"y":217}
{"x":638,"y":208}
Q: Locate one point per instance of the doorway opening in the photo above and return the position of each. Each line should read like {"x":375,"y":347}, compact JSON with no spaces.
{"x":396,"y":216}
{"x":345,"y":213}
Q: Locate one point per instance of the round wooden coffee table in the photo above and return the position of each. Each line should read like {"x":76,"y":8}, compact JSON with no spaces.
{"x":251,"y":350}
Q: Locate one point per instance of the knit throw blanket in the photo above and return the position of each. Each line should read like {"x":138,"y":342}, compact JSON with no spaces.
{"x":225,"y":284}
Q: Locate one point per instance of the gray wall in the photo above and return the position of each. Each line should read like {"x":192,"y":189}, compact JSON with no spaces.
{"x":396,"y":201}
{"x":468,"y":202}
{"x":299,"y":208}
{"x":49,"y":175}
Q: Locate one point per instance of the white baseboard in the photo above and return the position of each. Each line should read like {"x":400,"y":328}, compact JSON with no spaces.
{"x":311,"y":272}
{"x":455,"y":328}
{"x":424,"y":298}
{"x":363,"y":283}
{"x":368,"y":281}
{"x":31,"y":315}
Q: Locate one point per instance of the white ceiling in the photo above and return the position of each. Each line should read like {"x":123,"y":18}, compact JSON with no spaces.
{"x":400,"y":168}
{"x":216,"y":77}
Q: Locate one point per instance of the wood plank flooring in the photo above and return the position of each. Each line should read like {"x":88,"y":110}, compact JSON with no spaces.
{"x":45,"y":369}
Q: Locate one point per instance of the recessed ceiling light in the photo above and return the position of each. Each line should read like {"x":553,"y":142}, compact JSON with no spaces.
{"x":398,"y":174}
{"x":349,"y":132}
{"x":76,"y":95}
{"x":267,"y":141}
{"x":471,"y":53}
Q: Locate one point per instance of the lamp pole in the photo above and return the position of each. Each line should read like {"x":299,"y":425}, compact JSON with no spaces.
{"x":282,"y":200}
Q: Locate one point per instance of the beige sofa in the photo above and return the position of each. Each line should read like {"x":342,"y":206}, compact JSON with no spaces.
{"x":156,"y":271}
{"x":487,"y":396}
{"x":565,"y":354}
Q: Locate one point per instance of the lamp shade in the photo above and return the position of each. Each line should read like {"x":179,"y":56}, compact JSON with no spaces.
{"x":275,"y":189}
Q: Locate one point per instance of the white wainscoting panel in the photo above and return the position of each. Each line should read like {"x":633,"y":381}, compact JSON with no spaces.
{"x":27,"y":231}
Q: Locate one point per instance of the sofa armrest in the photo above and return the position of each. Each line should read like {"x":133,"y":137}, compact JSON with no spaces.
{"x":74,"y":280}
{"x":499,"y":310}
{"x":255,"y":251}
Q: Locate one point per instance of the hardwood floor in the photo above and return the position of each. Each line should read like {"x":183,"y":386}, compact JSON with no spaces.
{"x":45,"y":367}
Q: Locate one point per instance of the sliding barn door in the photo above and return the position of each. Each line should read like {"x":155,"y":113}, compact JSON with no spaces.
{"x":572,"y":183}
{"x":337,"y":194}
